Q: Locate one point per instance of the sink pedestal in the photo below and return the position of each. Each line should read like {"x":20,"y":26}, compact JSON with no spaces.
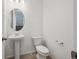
{"x":16,"y":39}
{"x":17,"y":49}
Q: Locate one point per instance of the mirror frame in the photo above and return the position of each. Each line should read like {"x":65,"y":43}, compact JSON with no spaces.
{"x":14,"y":27}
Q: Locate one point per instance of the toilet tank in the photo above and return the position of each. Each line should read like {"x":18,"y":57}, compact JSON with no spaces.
{"x":37,"y":40}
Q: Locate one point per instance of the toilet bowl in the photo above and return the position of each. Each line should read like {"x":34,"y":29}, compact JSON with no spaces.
{"x":42,"y":51}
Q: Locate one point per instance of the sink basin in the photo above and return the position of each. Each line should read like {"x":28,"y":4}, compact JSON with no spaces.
{"x":16,"y":37}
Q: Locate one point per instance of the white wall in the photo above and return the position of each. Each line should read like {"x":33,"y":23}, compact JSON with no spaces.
{"x":58,"y":24}
{"x":36,"y":17}
{"x":75,"y":23}
{"x":32,"y":25}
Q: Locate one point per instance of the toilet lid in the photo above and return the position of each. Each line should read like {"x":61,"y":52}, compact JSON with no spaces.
{"x":42,"y":49}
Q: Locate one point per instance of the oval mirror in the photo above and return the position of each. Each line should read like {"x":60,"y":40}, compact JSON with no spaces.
{"x":17,"y":19}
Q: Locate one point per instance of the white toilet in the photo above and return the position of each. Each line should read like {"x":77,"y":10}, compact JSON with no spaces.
{"x":42,"y":51}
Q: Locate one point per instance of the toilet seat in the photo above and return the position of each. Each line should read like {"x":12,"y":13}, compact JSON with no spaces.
{"x":42,"y":49}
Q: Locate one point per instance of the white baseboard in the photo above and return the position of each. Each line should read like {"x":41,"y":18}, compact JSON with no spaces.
{"x":22,"y":53}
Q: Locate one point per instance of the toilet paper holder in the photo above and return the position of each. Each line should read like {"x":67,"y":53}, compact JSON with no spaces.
{"x":61,"y":43}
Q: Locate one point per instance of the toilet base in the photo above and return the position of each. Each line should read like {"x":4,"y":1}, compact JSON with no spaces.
{"x":38,"y":56}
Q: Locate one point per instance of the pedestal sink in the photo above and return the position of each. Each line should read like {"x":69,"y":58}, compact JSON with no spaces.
{"x":16,"y":39}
